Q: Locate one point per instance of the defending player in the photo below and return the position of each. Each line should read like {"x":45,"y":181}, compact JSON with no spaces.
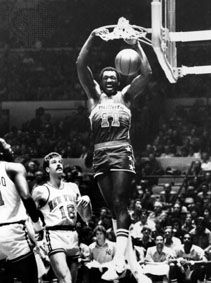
{"x":110,"y":118}
{"x":15,"y":244}
{"x":59,"y":203}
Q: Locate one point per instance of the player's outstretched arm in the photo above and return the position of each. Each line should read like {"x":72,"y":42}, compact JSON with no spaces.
{"x":139,"y":83}
{"x":85,"y":75}
{"x":17,"y":173}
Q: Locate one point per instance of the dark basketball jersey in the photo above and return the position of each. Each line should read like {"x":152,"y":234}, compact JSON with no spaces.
{"x":110,"y":119}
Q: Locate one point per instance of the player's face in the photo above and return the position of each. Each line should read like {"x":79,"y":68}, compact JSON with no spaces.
{"x":55,"y":166}
{"x":110,"y":82}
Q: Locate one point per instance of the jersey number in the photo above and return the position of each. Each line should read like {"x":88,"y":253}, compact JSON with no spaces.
{"x":70,"y":211}
{"x":105,"y":122}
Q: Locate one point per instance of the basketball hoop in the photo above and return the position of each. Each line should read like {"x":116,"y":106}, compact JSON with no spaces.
{"x":123,"y":29}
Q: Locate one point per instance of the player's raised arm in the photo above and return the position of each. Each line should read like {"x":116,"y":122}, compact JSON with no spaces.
{"x":85,"y":75}
{"x":139,"y":83}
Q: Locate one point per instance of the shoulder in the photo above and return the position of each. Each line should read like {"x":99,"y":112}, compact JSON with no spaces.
{"x":92,"y":246}
{"x":110,"y":243}
{"x":14,"y":167}
{"x":197,"y":248}
{"x":72,"y":186}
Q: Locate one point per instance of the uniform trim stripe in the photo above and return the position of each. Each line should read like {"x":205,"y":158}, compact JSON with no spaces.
{"x":111,"y":144}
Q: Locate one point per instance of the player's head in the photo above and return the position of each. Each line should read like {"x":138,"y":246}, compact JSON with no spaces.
{"x":109,"y":80}
{"x":6,"y":152}
{"x":53,"y":159}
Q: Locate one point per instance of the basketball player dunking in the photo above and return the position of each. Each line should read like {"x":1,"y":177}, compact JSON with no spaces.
{"x":110,"y":118}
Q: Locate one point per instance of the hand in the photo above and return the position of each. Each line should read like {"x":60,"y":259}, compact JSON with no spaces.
{"x":130,"y":41}
{"x":83,"y":201}
{"x":38,"y":229}
{"x":99,"y":31}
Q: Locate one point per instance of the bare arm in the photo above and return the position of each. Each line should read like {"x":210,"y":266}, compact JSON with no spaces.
{"x":17,"y":173}
{"x":139,"y":83}
{"x":85,"y":75}
{"x":84,"y":208}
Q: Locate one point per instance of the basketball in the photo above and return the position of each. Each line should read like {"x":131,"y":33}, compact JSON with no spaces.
{"x":127,"y":62}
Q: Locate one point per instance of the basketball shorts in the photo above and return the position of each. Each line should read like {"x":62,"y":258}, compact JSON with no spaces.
{"x":14,"y":241}
{"x":62,"y":241}
{"x":117,"y":158}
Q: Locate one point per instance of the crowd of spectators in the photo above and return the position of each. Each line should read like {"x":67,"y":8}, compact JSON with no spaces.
{"x":167,"y":218}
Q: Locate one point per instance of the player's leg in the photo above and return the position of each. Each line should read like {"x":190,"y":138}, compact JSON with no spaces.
{"x":59,"y":265}
{"x":105,"y":185}
{"x":73,"y":266}
{"x":106,"y":188}
{"x":121,"y":194}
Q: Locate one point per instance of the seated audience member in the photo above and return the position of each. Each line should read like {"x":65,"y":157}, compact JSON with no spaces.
{"x":158,"y":214}
{"x":146,"y":241}
{"x":207,"y":217}
{"x":157,"y":260}
{"x":205,"y":161}
{"x":136,"y":228}
{"x":177,"y":228}
{"x":170,"y":241}
{"x":204,"y":192}
{"x":101,"y":252}
{"x":191,"y":259}
{"x":188,"y":224}
{"x":200,"y":234}
{"x":136,"y":211}
{"x":167,"y":196}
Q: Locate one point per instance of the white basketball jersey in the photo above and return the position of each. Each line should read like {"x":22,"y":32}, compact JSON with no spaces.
{"x":61,"y":207}
{"x":11,"y":205}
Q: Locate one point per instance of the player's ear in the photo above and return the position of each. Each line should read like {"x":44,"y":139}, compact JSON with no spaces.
{"x":47,"y":169}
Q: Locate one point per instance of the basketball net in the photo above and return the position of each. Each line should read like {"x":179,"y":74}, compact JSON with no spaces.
{"x":123,"y":29}
{"x":163,"y":39}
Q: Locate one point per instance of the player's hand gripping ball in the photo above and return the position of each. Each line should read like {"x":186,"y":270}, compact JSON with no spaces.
{"x":128,"y":62}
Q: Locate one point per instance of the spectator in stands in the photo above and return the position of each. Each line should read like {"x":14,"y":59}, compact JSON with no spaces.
{"x":204,"y":192}
{"x":167,"y":153}
{"x":170,"y":241}
{"x":178,"y":211}
{"x":200,"y":234}
{"x":136,"y":211}
{"x":167,"y":196}
{"x":177,"y":228}
{"x":188,"y":224}
{"x":152,"y":166}
{"x":147,"y":200}
{"x":101,"y":251}
{"x":158,"y":214}
{"x":189,"y":196}
{"x":135,"y":229}
{"x":188,"y":254}
{"x":207,"y":217}
{"x":205,"y":161}
{"x":158,"y":254}
{"x":39,"y":179}
{"x":146,"y":240}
